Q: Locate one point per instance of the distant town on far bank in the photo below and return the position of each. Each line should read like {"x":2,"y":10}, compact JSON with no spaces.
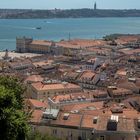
{"x":67,"y":13}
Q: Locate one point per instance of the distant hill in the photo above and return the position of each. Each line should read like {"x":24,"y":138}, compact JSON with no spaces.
{"x":71,"y":13}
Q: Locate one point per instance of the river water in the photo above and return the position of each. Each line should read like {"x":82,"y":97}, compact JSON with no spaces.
{"x":57,"y":29}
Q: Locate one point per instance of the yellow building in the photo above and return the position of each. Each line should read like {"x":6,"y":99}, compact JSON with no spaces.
{"x":42,"y":90}
{"x":43,"y":46}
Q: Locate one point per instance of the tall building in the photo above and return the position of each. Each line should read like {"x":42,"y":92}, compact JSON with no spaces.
{"x":95,"y":6}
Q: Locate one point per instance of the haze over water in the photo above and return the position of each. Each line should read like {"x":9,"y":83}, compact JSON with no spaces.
{"x":57,"y":29}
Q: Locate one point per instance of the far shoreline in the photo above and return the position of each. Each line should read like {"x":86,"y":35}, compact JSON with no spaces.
{"x":67,"y":13}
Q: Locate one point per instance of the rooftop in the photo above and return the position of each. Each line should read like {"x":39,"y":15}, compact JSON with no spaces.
{"x":73,"y":120}
{"x":37,"y":103}
{"x":34,"y":78}
{"x":42,"y":63}
{"x":41,"y":42}
{"x":130,"y":51}
{"x":87,"y":74}
{"x":125,"y":39}
{"x":80,"y":43}
{"x":36,"y":116}
{"x":51,"y":113}
{"x":41,"y":86}
{"x":121,"y":72}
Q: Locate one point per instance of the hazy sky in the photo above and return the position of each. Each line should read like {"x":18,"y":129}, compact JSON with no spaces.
{"x":67,"y":4}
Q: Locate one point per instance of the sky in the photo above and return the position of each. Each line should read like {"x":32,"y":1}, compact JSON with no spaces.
{"x":69,"y":4}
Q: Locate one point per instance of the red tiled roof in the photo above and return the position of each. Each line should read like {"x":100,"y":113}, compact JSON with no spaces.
{"x":37,"y":103}
{"x":36,"y":116}
{"x":34,"y":78}
{"x":41,"y":42}
{"x":73,"y":120}
{"x":41,"y":86}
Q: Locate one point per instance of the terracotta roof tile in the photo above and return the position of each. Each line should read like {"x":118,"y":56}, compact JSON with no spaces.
{"x":41,"y":86}
{"x":36,"y":103}
{"x":36,"y":116}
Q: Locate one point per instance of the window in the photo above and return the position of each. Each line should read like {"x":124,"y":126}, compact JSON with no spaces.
{"x":124,"y":138}
{"x":84,"y":135}
{"x":54,"y":131}
{"x":48,"y":94}
{"x":102,"y":137}
{"x":69,"y":134}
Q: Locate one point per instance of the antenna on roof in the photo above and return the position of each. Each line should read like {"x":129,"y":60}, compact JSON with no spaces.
{"x":69,"y":36}
{"x":6,"y":56}
{"x":49,"y":103}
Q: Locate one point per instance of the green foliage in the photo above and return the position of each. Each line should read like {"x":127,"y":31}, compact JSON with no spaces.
{"x":15,"y":87}
{"x":37,"y":136}
{"x":111,"y":37}
{"x":13,"y":120}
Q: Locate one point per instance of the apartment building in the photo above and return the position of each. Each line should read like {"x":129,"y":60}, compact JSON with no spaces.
{"x":95,"y":126}
{"x":43,"y":90}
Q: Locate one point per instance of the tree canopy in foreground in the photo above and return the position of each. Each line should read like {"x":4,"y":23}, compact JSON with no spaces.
{"x":13,"y":119}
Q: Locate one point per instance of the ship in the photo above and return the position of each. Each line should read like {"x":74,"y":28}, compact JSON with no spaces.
{"x":38,"y":28}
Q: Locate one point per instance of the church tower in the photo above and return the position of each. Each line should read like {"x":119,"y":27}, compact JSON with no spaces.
{"x":95,"y":6}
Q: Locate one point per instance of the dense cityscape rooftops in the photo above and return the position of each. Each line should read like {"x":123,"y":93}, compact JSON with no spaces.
{"x":81,"y":89}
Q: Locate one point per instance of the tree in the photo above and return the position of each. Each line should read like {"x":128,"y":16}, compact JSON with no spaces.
{"x":13,"y":119}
